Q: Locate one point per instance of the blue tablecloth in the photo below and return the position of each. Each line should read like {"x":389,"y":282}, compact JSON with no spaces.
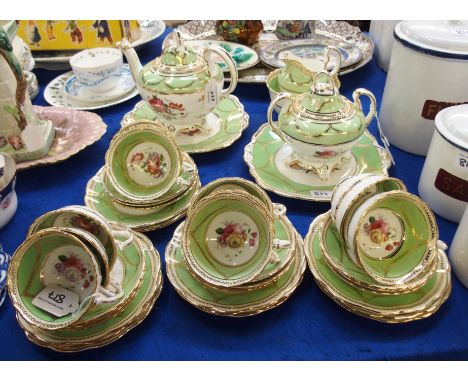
{"x":309,"y":326}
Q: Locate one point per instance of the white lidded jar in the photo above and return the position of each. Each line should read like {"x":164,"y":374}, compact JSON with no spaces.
{"x":444,"y":179}
{"x":459,"y":250}
{"x":428,"y":72}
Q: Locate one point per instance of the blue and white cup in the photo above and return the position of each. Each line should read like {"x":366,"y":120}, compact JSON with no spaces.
{"x":98,"y":69}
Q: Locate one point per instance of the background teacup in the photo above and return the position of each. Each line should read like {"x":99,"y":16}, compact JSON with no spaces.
{"x":393,"y":237}
{"x":459,"y":250}
{"x":98,"y":68}
{"x":8,"y":198}
{"x":53,"y":258}
{"x":444,"y":179}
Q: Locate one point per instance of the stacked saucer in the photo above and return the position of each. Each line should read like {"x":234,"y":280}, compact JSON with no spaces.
{"x":147,"y":182}
{"x":78,"y":282}
{"x":377,"y":253}
{"x":236,"y":254}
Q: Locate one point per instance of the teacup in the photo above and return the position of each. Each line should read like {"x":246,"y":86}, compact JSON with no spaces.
{"x":241,"y":184}
{"x":98,"y":69}
{"x":55,"y":258}
{"x":8,"y":198}
{"x":228,"y":238}
{"x":393,"y":237}
{"x":86,"y":219}
{"x":97,"y":250}
{"x":143,"y":161}
{"x":351,"y":191}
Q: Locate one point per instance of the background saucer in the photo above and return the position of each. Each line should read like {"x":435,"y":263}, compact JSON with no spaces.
{"x":77,"y":92}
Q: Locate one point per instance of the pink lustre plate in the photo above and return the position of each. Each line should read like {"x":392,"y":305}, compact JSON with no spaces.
{"x":74,"y":130}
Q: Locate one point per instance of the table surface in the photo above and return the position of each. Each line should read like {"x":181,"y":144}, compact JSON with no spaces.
{"x":308,"y":326}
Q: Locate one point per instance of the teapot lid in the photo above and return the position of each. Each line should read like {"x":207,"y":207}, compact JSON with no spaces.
{"x":179,"y":59}
{"x":323,"y":103}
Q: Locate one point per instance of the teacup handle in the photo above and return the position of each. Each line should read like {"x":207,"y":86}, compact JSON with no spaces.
{"x":105,"y":296}
{"x":357,"y":102}
{"x":271,"y":108}
{"x":127,"y":241}
{"x":333,"y":51}
{"x":188,"y":167}
{"x":230,"y":64}
{"x":278,"y":244}
{"x":279,"y":210}
{"x":182,"y":182}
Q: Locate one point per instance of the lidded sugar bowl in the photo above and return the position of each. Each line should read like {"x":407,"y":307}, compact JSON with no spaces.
{"x":182,"y":86}
{"x":321,"y":126}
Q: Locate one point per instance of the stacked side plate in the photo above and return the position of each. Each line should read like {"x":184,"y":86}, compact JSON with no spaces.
{"x":354,"y":291}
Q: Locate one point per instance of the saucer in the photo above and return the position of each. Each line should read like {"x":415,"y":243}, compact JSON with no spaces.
{"x":55,"y":95}
{"x":76,"y":91}
{"x":234,"y":303}
{"x":226,"y":124}
{"x":309,"y":49}
{"x":417,"y":304}
{"x":117,"y":325}
{"x":97,"y":199}
{"x":74,"y":131}
{"x":265,"y":156}
{"x":242,"y":55}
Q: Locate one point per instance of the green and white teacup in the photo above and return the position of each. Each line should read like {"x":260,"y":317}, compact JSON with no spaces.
{"x":143,"y":161}
{"x":392,"y":236}
{"x":84,"y":218}
{"x":234,"y":183}
{"x":228,"y":238}
{"x":53,"y":257}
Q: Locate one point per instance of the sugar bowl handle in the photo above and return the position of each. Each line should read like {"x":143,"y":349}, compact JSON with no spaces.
{"x":229,"y":62}
{"x":357,"y":102}
{"x":271,"y":108}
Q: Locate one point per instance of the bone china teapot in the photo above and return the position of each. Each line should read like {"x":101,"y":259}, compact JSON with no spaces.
{"x":182,"y":86}
{"x":321,"y":126}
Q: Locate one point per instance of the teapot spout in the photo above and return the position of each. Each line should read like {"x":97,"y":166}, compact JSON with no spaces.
{"x":131,"y":56}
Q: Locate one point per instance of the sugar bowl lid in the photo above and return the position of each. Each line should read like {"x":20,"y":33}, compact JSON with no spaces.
{"x":448,"y":39}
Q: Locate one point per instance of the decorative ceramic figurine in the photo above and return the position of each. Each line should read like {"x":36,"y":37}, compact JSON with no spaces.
{"x":183,"y":87}
{"x":22,"y":134}
{"x":244,"y":32}
{"x":289,"y":29}
{"x":321,"y":126}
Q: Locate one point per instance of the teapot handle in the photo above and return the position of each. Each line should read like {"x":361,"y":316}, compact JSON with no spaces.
{"x":333,"y":50}
{"x":357,"y":102}
{"x":230,"y":64}
{"x":272,"y":123}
